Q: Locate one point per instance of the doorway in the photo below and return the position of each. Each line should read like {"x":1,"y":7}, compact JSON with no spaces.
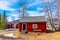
{"x":24,"y":27}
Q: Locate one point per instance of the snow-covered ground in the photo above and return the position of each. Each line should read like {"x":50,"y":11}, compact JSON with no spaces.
{"x":33,"y":35}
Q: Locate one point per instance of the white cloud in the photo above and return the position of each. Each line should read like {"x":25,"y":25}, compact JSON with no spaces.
{"x":34,"y":3}
{"x":34,"y":13}
{"x":17,"y":18}
{"x":38,"y":2}
{"x":5,"y":4}
{"x":11,"y":16}
{"x":15,"y":15}
{"x":38,"y":9}
{"x":47,"y":0}
{"x":9,"y":19}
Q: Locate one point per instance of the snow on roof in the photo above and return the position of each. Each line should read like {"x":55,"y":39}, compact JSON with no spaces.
{"x":33,"y":19}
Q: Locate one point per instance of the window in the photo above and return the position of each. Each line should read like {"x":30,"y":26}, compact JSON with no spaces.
{"x":35,"y":26}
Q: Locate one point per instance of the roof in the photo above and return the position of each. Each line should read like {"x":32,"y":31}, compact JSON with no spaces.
{"x":33,"y":19}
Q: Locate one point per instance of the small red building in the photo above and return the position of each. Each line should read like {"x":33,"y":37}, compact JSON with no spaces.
{"x":32,"y":24}
{"x":9,"y":25}
{"x":12,"y":25}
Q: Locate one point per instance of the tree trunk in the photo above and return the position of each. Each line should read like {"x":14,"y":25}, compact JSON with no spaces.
{"x":50,"y":16}
{"x":58,"y":11}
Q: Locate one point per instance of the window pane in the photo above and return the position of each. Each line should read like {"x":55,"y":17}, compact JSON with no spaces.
{"x":34,"y":25}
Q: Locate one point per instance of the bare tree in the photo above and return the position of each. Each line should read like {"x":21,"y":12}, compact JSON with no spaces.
{"x":14,"y":22}
{"x":49,"y":12}
{"x":23,"y":9}
{"x":58,"y":12}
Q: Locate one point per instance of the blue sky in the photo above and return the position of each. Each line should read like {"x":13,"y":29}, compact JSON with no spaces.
{"x":34,"y":7}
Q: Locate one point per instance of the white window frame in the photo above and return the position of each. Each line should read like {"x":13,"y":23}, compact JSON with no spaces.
{"x":35,"y":26}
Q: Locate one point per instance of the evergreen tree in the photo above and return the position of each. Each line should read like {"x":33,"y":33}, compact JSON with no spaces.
{"x":0,"y":19}
{"x":3,"y":21}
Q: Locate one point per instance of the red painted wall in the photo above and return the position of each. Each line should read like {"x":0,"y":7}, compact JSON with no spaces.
{"x":17,"y":26}
{"x":20,"y":26}
{"x":41,"y":26}
{"x":10,"y":26}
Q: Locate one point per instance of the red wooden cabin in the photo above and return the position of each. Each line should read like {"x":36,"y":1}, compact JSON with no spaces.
{"x":32,"y":24}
